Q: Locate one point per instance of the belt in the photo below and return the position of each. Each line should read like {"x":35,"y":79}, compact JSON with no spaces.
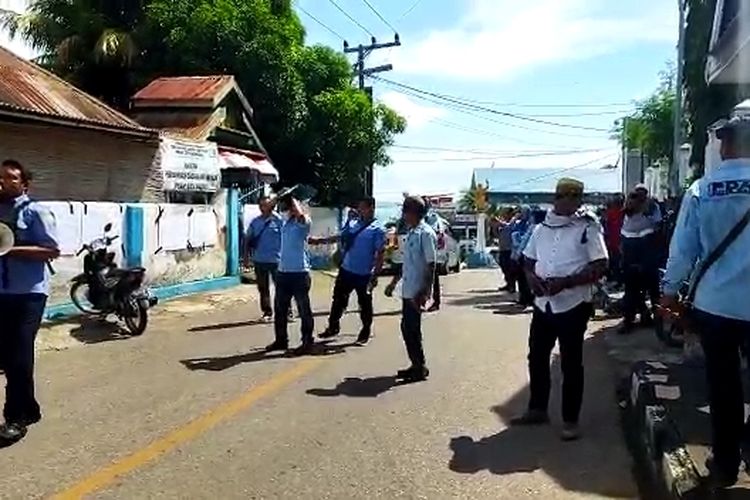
{"x":638,"y":234}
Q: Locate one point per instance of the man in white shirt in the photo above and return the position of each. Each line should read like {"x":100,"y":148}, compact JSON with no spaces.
{"x":565,"y":256}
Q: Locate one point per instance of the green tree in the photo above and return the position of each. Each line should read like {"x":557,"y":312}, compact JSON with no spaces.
{"x":650,"y":128}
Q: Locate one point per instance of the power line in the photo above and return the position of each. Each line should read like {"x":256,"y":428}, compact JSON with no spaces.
{"x":410,"y":9}
{"x":511,"y":153}
{"x":560,"y":171}
{"x":492,"y":157}
{"x":385,"y":21}
{"x":333,"y":2}
{"x":330,"y":30}
{"x":469,"y":105}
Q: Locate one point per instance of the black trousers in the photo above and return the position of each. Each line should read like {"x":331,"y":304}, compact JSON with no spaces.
{"x":264,"y":274}
{"x":640,"y":282}
{"x":506,"y":266}
{"x":568,"y":328}
{"x":411,"y":331}
{"x":525,"y":297}
{"x":436,"y":297}
{"x":21,"y":316}
{"x":346,"y":283}
{"x":723,"y":339}
{"x":293,"y":286}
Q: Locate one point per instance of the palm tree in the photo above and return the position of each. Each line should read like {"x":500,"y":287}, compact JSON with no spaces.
{"x":94,"y":44}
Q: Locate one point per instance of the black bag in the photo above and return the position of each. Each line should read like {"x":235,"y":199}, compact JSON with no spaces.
{"x":347,"y":241}
{"x":714,"y":256}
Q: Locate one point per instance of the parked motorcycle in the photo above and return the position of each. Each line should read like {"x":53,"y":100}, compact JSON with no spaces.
{"x":103,"y":288}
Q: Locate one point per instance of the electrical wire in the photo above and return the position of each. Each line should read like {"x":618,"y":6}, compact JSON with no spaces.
{"x":475,"y":107}
{"x":385,"y":21}
{"x":512,"y":153}
{"x":491,"y":157}
{"x":410,"y":9}
{"x":333,"y":2}
{"x":561,"y":171}
{"x":330,"y":30}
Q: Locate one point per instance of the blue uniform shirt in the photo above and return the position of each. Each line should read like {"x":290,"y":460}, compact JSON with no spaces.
{"x":360,"y":258}
{"x":36,"y":226}
{"x":294,"y":258}
{"x":268,"y":247}
{"x":420,"y":250}
{"x":710,"y":208}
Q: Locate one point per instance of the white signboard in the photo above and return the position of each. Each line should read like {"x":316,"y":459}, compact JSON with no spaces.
{"x":190,"y":166}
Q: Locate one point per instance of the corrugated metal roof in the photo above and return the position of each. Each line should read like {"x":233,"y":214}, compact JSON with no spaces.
{"x":198,"y":89}
{"x":29,"y":89}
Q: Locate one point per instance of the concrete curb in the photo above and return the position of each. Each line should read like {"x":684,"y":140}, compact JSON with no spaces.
{"x":654,"y":438}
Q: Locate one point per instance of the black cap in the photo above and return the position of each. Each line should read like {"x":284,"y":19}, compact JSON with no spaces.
{"x":736,"y":125}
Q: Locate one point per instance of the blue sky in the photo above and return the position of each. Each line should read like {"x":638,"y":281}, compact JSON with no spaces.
{"x":518,"y":56}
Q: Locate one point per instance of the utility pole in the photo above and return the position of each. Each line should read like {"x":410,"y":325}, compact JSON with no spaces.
{"x":674,"y":168}
{"x":361,"y":71}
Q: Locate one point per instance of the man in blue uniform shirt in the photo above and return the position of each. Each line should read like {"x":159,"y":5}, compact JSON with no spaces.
{"x":263,"y":241}
{"x":418,"y":273}
{"x":293,"y":280}
{"x":362,"y":243}
{"x":712,"y":207}
{"x":24,"y":286}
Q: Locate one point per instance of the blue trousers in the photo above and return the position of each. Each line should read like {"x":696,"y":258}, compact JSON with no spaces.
{"x":21,"y":316}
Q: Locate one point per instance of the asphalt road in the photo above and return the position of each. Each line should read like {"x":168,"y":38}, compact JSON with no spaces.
{"x":193,"y":409}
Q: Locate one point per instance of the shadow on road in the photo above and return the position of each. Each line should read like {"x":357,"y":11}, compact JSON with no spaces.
{"x":256,"y":322}
{"x":355,"y":387}
{"x":92,"y":330}
{"x":221,"y":363}
{"x":480,"y":299}
{"x":598,"y":464}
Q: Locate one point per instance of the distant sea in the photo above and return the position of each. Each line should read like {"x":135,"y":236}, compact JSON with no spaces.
{"x":388,"y":211}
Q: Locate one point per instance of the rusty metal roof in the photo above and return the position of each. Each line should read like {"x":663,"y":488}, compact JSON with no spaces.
{"x":27,"y":89}
{"x":182,"y":90}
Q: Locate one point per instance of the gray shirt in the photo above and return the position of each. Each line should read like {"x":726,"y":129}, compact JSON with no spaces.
{"x":420,"y":251}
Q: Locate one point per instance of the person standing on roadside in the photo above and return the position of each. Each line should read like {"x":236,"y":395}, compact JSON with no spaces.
{"x":565,"y":256}
{"x":263,"y":244}
{"x":640,"y":257}
{"x":420,"y":256}
{"x":433,"y":219}
{"x":293,"y":280}
{"x":711,"y":230}
{"x":362,"y":243}
{"x":505,"y":247}
{"x":24,"y":287}
{"x":614,"y":216}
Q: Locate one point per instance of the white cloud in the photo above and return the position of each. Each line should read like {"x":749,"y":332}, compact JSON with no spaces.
{"x":416,"y":115}
{"x":500,"y":39}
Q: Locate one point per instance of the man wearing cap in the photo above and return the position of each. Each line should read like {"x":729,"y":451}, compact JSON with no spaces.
{"x":565,"y":256}
{"x":640,"y":257}
{"x":713,"y":208}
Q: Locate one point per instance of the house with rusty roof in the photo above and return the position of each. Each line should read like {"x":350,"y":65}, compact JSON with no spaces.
{"x":213,"y":109}
{"x":77,"y":147}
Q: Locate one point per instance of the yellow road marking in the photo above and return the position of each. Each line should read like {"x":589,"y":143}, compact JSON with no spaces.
{"x":106,"y":476}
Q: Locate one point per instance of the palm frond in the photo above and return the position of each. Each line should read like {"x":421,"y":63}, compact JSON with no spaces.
{"x":116,"y":46}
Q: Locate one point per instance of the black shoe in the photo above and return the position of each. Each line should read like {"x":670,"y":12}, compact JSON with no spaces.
{"x":433,"y":308}
{"x":305,"y":349}
{"x":328,"y":333}
{"x":531,"y":417}
{"x":363,"y":338}
{"x":647,"y":321}
{"x":277,"y":346}
{"x":718,"y":478}
{"x":12,"y":432}
{"x":414,"y":374}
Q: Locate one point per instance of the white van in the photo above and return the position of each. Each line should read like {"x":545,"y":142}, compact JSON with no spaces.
{"x":448,"y":252}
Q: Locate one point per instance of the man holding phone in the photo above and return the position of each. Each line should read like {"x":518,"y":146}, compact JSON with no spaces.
{"x":565,"y":256}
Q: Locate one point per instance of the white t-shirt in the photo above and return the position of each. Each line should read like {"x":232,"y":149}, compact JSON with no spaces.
{"x":563,"y":247}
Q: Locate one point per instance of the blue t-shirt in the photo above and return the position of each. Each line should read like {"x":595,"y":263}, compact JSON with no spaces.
{"x":36,"y":226}
{"x":294,"y":258}
{"x":360,"y":258}
{"x":267,"y":249}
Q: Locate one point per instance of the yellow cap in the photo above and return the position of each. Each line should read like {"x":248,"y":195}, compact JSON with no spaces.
{"x":568,"y":185}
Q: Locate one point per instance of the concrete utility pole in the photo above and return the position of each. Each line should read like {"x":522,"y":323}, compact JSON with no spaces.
{"x":362,"y":52}
{"x":674,"y":168}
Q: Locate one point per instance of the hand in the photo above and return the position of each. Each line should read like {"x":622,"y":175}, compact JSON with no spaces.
{"x":421,"y":299}
{"x":670,"y":307}
{"x":389,"y":289}
{"x":373,"y":283}
{"x":538,"y":287}
{"x":555,"y":286}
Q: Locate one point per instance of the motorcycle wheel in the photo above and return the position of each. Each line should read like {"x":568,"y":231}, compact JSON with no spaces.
{"x":79,"y":296}
{"x":136,"y":317}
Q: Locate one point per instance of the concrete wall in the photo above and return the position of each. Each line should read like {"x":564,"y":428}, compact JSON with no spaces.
{"x":168,"y":260}
{"x":78,"y":164}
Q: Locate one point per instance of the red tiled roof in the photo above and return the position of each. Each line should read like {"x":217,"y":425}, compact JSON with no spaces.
{"x":192,"y":89}
{"x":28,"y":89}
